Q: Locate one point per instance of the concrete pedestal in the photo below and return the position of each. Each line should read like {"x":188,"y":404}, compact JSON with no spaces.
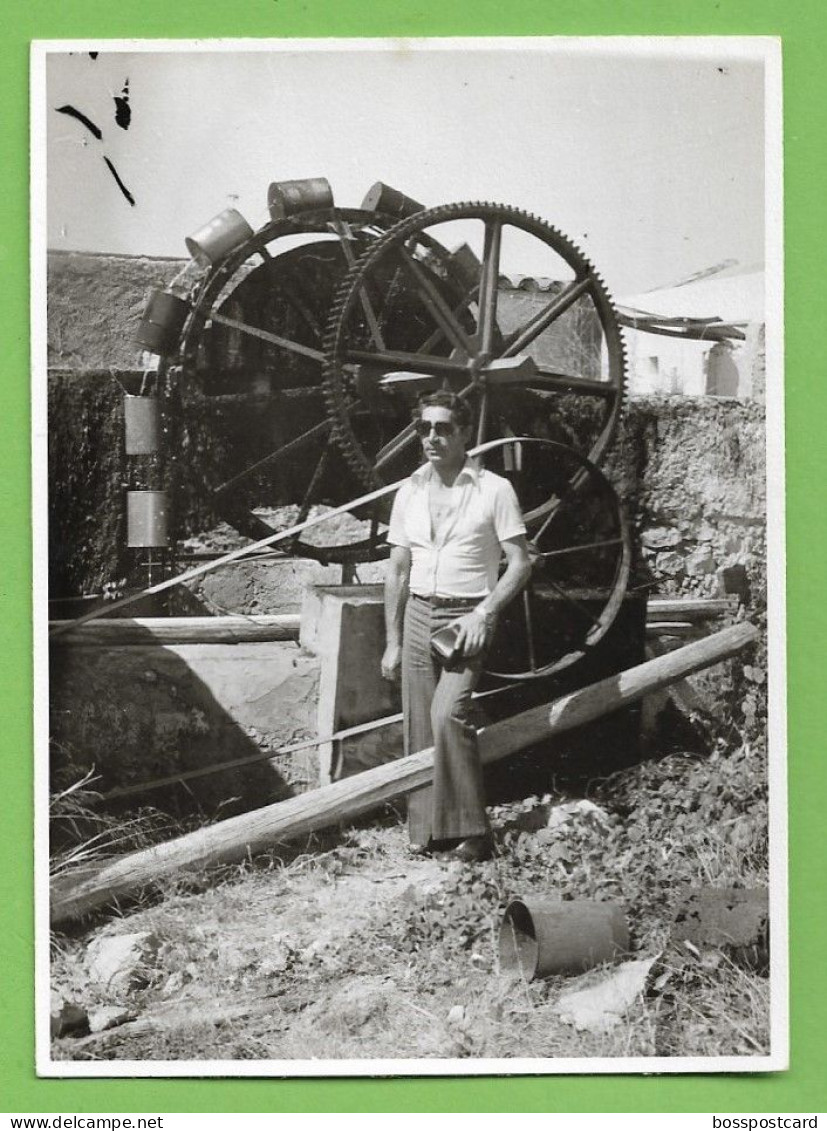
{"x":344,"y":626}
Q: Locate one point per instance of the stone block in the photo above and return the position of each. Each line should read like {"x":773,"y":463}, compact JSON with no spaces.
{"x":121,"y":962}
{"x":344,"y":626}
{"x":735,"y":920}
{"x":700,"y":562}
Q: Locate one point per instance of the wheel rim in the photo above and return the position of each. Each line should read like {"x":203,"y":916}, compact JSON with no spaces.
{"x":262,"y":311}
{"x":581,"y":556}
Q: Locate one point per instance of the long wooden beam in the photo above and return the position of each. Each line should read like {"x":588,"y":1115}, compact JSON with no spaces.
{"x":179,"y":630}
{"x":662,"y":614}
{"x":689,"y":608}
{"x":344,"y":800}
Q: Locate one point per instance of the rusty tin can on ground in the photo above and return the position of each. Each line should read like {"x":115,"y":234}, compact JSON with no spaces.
{"x":541,"y":937}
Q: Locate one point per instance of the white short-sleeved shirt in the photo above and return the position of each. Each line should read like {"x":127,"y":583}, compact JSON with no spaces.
{"x":464,"y":560}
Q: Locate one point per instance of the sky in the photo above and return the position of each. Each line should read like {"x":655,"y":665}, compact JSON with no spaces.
{"x":650,"y":155}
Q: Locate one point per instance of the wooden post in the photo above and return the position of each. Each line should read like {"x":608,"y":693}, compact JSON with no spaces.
{"x":344,"y":800}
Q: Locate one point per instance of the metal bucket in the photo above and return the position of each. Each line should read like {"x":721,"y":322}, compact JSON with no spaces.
{"x":540,"y":937}
{"x":383,"y":198}
{"x":142,"y":425}
{"x":146,"y":519}
{"x":161,"y":323}
{"x":223,"y":234}
{"x":286,"y":198}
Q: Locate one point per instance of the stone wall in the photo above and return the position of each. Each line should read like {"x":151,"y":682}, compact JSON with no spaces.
{"x":94,"y":304}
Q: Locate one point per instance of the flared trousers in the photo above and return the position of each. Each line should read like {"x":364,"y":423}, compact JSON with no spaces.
{"x":436,"y":703}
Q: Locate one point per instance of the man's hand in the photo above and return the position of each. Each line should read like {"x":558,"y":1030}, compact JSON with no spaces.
{"x":391,"y":662}
{"x":473,"y":633}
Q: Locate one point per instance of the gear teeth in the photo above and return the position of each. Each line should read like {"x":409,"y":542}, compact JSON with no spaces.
{"x":333,"y":381}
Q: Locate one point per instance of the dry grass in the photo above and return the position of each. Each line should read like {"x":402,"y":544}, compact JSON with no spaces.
{"x":352,"y":950}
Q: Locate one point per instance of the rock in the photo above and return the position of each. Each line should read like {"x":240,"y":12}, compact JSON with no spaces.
{"x":107,"y":1017}
{"x":603,"y":1005}
{"x":584,"y":811}
{"x":120,"y":962}
{"x":456,"y":1015}
{"x":173,"y":984}
{"x":661,"y":538}
{"x":734,"y":920}
{"x":700,"y":562}
{"x":670,"y":563}
{"x":67,"y":1017}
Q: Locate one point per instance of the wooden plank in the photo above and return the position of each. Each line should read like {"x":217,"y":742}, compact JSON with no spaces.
{"x":671,"y":628}
{"x":179,"y":630}
{"x":690,"y":608}
{"x":344,"y":800}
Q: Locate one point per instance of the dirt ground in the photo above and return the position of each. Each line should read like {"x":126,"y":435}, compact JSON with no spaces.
{"x":352,"y":949}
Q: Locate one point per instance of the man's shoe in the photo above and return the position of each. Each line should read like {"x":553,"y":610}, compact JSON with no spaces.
{"x":474,"y":849}
{"x":415,"y":849}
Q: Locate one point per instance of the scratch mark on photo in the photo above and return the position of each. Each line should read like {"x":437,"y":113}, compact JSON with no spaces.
{"x":123,"y":111}
{"x":80,"y":117}
{"x":120,"y":183}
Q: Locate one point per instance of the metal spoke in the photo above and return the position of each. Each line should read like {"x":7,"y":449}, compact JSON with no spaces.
{"x":315,"y":479}
{"x":400,"y":442}
{"x":544,"y":318}
{"x":267,"y":336}
{"x":437,"y":306}
{"x":343,"y":232}
{"x":584,"y":546}
{"x":482,"y":418}
{"x":567,"y":597}
{"x":545,"y":379}
{"x":288,"y":449}
{"x":489,"y":288}
{"x":289,"y":289}
{"x":529,"y":631}
{"x":416,"y":362}
{"x":438,"y":335}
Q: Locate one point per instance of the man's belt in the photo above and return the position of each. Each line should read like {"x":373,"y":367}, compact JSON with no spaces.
{"x":445,"y":602}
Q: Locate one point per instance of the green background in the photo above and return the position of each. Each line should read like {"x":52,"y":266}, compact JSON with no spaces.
{"x":802,"y":28}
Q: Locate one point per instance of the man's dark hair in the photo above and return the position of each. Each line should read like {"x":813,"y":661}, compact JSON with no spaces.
{"x":443,"y":399}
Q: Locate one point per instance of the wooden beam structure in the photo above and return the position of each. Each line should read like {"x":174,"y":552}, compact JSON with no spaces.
{"x":663,"y":615}
{"x":177,"y":630}
{"x":344,"y":800}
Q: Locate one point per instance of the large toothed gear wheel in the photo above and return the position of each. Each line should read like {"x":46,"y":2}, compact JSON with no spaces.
{"x":547,"y":363}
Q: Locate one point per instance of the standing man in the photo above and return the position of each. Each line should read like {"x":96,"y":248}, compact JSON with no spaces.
{"x":450,"y":524}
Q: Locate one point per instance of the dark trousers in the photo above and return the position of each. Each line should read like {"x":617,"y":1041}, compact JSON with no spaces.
{"x":436,"y":705}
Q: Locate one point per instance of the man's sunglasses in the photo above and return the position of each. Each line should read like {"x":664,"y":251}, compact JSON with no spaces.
{"x":443,"y":428}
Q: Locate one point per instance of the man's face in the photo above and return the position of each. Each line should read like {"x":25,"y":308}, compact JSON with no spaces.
{"x":444,"y":444}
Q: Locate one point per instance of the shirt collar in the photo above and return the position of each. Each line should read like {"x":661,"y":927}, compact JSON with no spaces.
{"x":470,"y":470}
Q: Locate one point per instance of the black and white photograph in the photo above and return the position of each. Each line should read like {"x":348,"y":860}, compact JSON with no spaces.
{"x":409,"y":556}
